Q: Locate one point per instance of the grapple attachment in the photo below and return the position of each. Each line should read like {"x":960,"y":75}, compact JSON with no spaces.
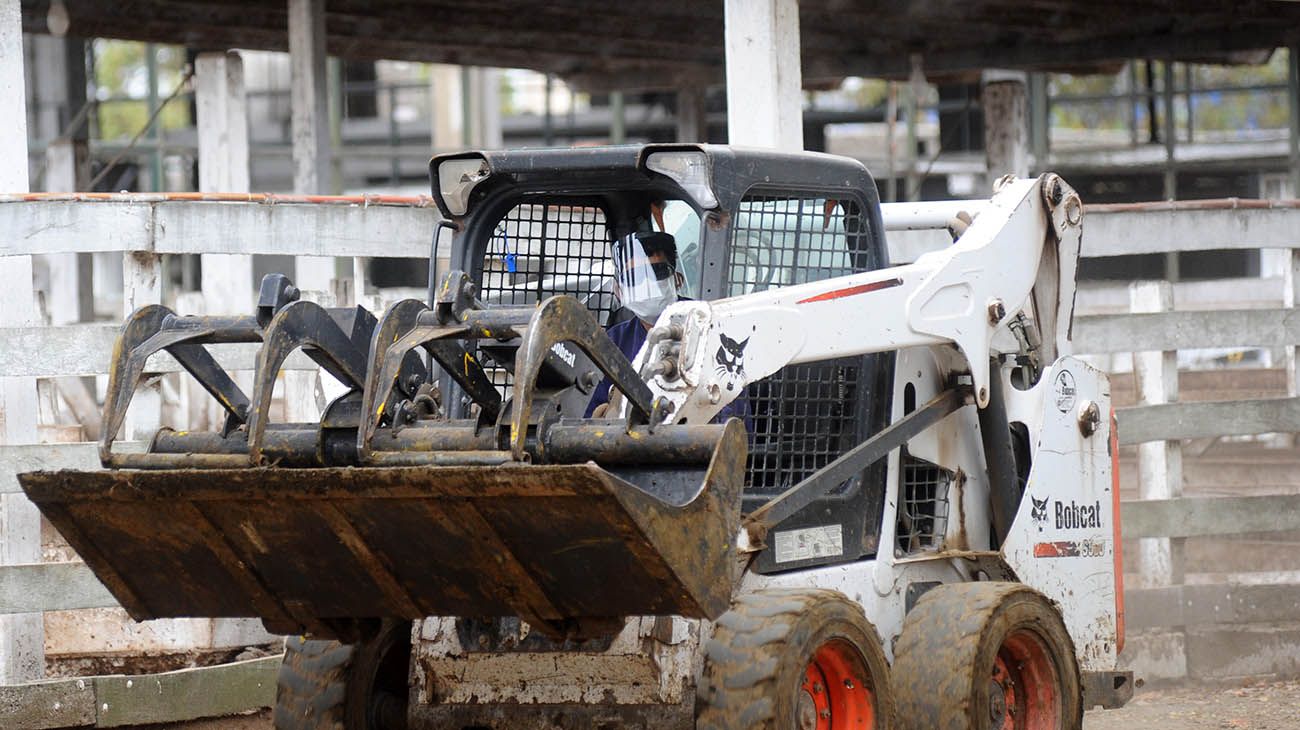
{"x":390,"y":507}
{"x":302,"y":547}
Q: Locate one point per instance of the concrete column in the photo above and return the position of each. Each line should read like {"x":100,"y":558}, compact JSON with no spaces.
{"x":1006,"y":123}
{"x":142,"y":277}
{"x":71,"y":295}
{"x":617,"y":118}
{"x":1293,"y":97}
{"x":764,"y":80}
{"x":1173,"y":272}
{"x":915,"y":88}
{"x":309,"y":101}
{"x":447,"y":110}
{"x":1040,"y":120}
{"x":222,"y":116}
{"x":1160,"y":463}
{"x":222,"y":104}
{"x":891,"y":143}
{"x":59,"y":93}
{"x":1291,"y":295}
{"x":482,"y":98}
{"x":22,"y":636}
{"x":692,"y":119}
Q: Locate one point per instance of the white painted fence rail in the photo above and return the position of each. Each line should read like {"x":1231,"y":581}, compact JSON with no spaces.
{"x":146,"y":226}
{"x":253,"y":223}
{"x":143,"y":228}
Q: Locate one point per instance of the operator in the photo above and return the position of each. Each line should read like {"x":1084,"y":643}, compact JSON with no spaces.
{"x":646,"y":281}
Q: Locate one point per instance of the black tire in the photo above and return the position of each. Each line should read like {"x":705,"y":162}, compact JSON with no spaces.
{"x":327,"y":685}
{"x":986,"y":655}
{"x":759,"y":666}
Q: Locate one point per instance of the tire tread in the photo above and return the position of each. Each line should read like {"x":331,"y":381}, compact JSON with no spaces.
{"x":743,"y":660}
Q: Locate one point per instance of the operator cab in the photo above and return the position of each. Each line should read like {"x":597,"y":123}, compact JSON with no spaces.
{"x":530,"y":224}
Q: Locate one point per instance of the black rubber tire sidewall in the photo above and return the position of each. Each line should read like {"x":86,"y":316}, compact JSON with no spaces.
{"x":328,"y":685}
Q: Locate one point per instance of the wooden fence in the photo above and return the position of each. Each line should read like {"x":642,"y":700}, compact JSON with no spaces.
{"x":144,"y":228}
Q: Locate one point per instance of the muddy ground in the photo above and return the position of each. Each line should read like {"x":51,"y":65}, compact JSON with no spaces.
{"x":1258,"y":706}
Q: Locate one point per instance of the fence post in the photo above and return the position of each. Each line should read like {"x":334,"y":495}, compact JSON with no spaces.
{"x":142,"y":285}
{"x":22,"y":636}
{"x":222,"y":120}
{"x":223,"y":168}
{"x":1290,"y":298}
{"x":1160,"y":463}
{"x":311,"y":170}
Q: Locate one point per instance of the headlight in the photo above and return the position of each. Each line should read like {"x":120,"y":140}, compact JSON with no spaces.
{"x":457,"y":178}
{"x":688,"y":168}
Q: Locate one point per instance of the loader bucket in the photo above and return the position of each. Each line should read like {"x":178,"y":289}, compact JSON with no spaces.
{"x":548,"y":543}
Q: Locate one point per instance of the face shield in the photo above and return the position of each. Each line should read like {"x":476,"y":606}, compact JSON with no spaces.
{"x":645,"y":280}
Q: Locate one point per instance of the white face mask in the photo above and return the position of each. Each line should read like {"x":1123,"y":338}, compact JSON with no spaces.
{"x":649,"y":306}
{"x":644,"y":286}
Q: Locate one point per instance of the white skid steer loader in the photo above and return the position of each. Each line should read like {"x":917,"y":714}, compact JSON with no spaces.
{"x":824,"y":493}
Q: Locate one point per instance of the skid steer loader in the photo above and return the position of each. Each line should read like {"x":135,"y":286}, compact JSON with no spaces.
{"x":910,"y":521}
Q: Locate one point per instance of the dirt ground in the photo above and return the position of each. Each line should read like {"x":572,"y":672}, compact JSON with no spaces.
{"x":1261,"y":706}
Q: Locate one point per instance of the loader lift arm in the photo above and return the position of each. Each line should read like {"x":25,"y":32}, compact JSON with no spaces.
{"x":1017,"y":257}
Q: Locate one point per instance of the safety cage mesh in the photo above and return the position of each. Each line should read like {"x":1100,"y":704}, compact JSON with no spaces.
{"x":803,"y":416}
{"x":922,"y":505}
{"x":539,"y":250}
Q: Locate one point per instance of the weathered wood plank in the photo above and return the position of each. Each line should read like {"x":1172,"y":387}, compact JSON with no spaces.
{"x":41,"y":226}
{"x":60,"y":703}
{"x":85,"y":349}
{"x":1200,"y":605}
{"x":51,"y":587}
{"x":187,"y":694}
{"x":1184,"y":330}
{"x":1115,"y":233}
{"x":307,"y":230}
{"x":1111,"y":297}
{"x":1201,"y":516}
{"x":66,"y":226}
{"x":118,"y":700}
{"x":52,"y":457}
{"x":1140,"y":424}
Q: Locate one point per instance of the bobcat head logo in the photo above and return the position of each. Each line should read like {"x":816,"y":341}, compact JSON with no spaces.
{"x":1039,"y":512}
{"x":730,"y":359}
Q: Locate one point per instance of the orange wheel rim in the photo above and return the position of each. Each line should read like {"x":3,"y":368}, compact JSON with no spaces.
{"x":1023,"y":691}
{"x":837,"y":692}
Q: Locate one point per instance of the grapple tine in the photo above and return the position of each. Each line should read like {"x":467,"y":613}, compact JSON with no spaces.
{"x":565,"y":319}
{"x":299,"y":325}
{"x":155,"y":328}
{"x":393,"y":325}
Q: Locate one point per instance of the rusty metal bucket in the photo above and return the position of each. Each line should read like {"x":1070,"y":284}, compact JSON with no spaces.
{"x":548,"y":543}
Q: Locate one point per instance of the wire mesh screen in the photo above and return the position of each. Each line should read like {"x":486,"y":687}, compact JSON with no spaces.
{"x":922,"y":505}
{"x":537,"y":251}
{"x":803,"y":416}
{"x":779,"y":240}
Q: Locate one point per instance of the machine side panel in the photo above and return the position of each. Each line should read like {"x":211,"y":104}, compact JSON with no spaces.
{"x":1062,"y":542}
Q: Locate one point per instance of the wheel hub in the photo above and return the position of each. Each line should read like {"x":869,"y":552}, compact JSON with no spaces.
{"x":807,"y":711}
{"x":836,"y":692}
{"x":1022,"y":689}
{"x":997,"y":704}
